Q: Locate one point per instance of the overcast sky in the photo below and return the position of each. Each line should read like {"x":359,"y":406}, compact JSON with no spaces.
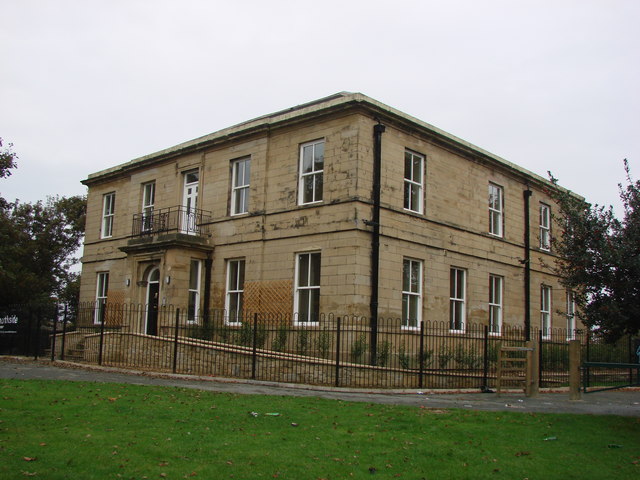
{"x":546,"y":84}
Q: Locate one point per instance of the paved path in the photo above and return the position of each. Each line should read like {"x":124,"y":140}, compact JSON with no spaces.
{"x":615,"y":402}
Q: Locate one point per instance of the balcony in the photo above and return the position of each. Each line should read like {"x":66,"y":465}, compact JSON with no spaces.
{"x":173,"y":226}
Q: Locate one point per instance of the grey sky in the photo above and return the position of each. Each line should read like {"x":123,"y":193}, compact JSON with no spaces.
{"x":549,"y":85}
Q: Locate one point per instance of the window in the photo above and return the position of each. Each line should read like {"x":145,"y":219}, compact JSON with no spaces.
{"x":307,"y":298}
{"x":495,"y":304}
{"x":311,"y":172}
{"x":496,"y":206}
{"x":240,"y":170}
{"x":235,"y":291}
{"x":545,"y":311}
{"x":545,"y":227}
{"x":108,"y":211}
{"x":193,"y":308}
{"x":413,"y":181}
{"x":102,"y":288}
{"x":411,"y":293}
{"x":457,"y":300}
{"x":148,"y":202}
{"x":571,"y":315}
{"x":189,"y":216}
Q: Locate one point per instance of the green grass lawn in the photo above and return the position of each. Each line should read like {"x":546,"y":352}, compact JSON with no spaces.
{"x":55,"y":430}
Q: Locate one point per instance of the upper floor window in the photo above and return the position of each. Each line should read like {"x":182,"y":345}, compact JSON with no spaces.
{"x":545,"y":227}
{"x":411,"y":293}
{"x":193,"y":308}
{"x":240,"y":170}
{"x":496,"y":210}
{"x":495,"y":304}
{"x":108,"y":212}
{"x":235,"y":291}
{"x":148,"y":205}
{"x":307,"y":295}
{"x":545,"y":311}
{"x":457,"y":298}
{"x":413,"y":181}
{"x":311,"y":172}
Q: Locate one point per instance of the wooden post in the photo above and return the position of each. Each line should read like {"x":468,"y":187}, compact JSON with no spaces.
{"x":574,"y":370}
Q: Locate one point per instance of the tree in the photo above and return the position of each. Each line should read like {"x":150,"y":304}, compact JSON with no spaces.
{"x":8,"y":160}
{"x":599,"y":259}
{"x":37,"y":244}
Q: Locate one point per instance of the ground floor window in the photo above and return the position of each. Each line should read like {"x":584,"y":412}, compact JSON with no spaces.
{"x":411,"y":293}
{"x":545,"y":311}
{"x":102,"y":289}
{"x":457,"y":299}
{"x":193,"y":309}
{"x":495,"y":304}
{"x":235,"y":291}
{"x":571,"y":315}
{"x":307,"y":293}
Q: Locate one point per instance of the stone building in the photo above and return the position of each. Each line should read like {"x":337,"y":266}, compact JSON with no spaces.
{"x":341,"y":205}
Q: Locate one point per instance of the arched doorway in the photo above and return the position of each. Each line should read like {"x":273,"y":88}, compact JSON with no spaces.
{"x":153,"y":295}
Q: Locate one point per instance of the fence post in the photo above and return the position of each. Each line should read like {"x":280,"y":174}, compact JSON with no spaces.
{"x":485,"y":360}
{"x":38,"y":327}
{"x":421,"y":363}
{"x":338,"y":352}
{"x":103,"y":313}
{"x":175,"y":341}
{"x":540,"y":357}
{"x":64,"y":332}
{"x":254,"y":352}
{"x":55,"y":331}
{"x":574,"y":370}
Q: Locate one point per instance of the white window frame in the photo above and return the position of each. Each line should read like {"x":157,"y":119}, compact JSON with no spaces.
{"x":412,"y":184}
{"x":313,"y":175}
{"x":411,"y":293}
{"x":496,"y":210}
{"x":307,"y":287}
{"x":108,"y":213}
{"x":545,"y":227}
{"x":102,"y":292}
{"x":235,"y":291}
{"x":148,"y":205}
{"x":545,"y":311}
{"x":496,"y":290}
{"x":240,"y":178}
{"x":571,"y":315}
{"x":457,"y":299}
{"x":193,"y":300}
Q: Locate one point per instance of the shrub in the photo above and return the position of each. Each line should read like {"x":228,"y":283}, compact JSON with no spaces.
{"x":323,"y":343}
{"x":382,"y":355}
{"x":280,"y":342}
{"x":358,"y":349}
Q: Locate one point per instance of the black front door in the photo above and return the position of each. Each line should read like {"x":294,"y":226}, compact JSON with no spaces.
{"x":152,"y":308}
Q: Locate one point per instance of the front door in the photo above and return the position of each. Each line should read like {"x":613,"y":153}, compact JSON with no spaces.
{"x":153,"y":294}
{"x":190,"y":203}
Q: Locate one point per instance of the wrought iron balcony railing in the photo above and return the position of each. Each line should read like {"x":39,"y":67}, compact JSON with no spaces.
{"x":180,"y":219}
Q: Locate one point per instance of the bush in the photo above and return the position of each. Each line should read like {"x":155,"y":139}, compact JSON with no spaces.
{"x":302,"y":341}
{"x":323,"y":343}
{"x":382,"y":355}
{"x":359,"y":348}
{"x":280,"y":342}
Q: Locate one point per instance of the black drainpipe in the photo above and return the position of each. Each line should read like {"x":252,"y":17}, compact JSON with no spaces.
{"x":527,"y":266}
{"x":378,"y":130}
{"x":207,"y":288}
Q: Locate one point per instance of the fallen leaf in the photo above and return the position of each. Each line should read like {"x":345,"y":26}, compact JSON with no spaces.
{"x":29,"y":459}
